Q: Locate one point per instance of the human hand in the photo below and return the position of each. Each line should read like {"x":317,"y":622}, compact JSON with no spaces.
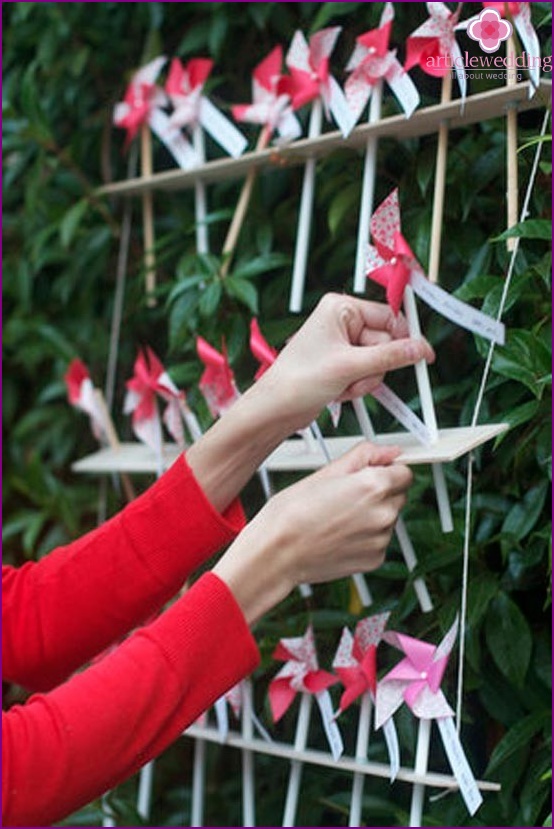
{"x":331,"y":524}
{"x":342,"y":351}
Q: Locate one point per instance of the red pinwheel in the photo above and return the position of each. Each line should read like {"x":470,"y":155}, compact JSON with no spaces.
{"x":355,"y":661}
{"x":371,"y":62}
{"x":217,"y":383}
{"x":310,"y":78}
{"x":300,"y":673}
{"x":390,"y":260}
{"x":149,"y":380}
{"x":264,"y":353}
{"x":433,"y":47}
{"x":520,"y":14}
{"x":141,"y":98}
{"x":270,"y":102}
{"x":81,"y":394}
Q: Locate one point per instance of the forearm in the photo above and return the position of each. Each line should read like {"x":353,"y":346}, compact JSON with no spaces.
{"x":227,"y":456}
{"x":98,"y":728}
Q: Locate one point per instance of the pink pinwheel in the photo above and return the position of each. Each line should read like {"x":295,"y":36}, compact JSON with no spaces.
{"x":390,"y":260}
{"x":300,"y":673}
{"x":217,"y":383}
{"x":433,"y":47}
{"x":264,"y":353}
{"x":310,"y":78}
{"x":371,"y":62}
{"x":416,"y":680}
{"x":150,"y":379}
{"x":355,"y":661}
{"x":271,"y":104}
{"x":81,"y":394}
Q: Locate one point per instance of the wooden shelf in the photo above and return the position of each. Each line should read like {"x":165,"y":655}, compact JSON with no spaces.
{"x":479,"y":107}
{"x":293,"y":454}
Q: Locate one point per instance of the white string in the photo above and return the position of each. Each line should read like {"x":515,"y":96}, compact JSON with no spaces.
{"x":478,"y":403}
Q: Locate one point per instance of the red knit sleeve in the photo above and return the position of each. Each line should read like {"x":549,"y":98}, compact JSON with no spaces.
{"x":62,"y":749}
{"x":60,"y":612}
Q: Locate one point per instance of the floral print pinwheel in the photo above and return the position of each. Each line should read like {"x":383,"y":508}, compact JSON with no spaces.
{"x":433,"y":46}
{"x":416,"y":680}
{"x":355,"y":664}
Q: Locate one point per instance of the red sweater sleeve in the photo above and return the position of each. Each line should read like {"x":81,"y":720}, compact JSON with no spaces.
{"x":62,"y":749}
{"x":61,"y":611}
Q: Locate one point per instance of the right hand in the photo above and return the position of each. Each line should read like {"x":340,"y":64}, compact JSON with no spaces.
{"x":332,"y":524}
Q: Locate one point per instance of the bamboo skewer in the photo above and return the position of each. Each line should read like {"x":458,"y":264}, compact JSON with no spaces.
{"x":440,"y":185}
{"x":148,"y":215}
{"x":242,"y":206}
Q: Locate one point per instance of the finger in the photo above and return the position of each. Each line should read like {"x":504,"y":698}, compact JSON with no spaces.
{"x":372,"y":337}
{"x":378,"y":315}
{"x":378,"y":359}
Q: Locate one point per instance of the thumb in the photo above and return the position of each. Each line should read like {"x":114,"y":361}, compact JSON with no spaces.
{"x":359,"y":457}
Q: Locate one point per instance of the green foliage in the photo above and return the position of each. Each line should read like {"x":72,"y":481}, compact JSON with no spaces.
{"x":65,"y":65}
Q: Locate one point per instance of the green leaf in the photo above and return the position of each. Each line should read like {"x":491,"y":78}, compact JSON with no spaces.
{"x":210,"y":298}
{"x":509,"y":638}
{"x":342,"y":205}
{"x":243,"y":290}
{"x":259,"y":265}
{"x":529,"y":229}
{"x":183,"y":286}
{"x":518,"y":736}
{"x":524,"y":515}
{"x":70,"y":222}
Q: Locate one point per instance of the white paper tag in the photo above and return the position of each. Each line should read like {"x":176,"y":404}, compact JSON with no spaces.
{"x":391,"y":739}
{"x":181,"y":150}
{"x":332,"y":731}
{"x":456,"y":311}
{"x":340,"y":109}
{"x":398,"y":409}
{"x":404,"y":89}
{"x":222,"y":717}
{"x":221,"y":129}
{"x":459,"y":765}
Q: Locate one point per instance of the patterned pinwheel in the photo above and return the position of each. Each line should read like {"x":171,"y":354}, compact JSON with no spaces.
{"x":217,"y":383}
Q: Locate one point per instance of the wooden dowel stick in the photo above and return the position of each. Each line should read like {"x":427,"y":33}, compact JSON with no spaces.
{"x":440,"y":185}
{"x":113,"y":442}
{"x":148,"y":215}
{"x":420,"y":768}
{"x":368,"y":190}
{"x":512,"y":197}
{"x":242,"y":206}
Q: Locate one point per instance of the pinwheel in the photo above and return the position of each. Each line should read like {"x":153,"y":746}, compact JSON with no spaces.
{"x":301,"y":674}
{"x":370,"y":64}
{"x":520,"y":15}
{"x":217,"y":383}
{"x":355,"y":664}
{"x":310,"y":80}
{"x":150,"y":380}
{"x":434,"y":48}
{"x":271,"y":108}
{"x":192,"y":109}
{"x":416,"y":680}
{"x":83,"y":395}
{"x":141,"y":110}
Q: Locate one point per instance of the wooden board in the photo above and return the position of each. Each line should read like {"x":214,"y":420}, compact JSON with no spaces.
{"x":425,"y":121}
{"x":293,"y":454}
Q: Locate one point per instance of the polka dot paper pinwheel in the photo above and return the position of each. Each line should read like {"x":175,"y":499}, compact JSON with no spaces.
{"x":520,"y":15}
{"x":433,"y":47}
{"x":82,"y":394}
{"x":416,"y":680}
{"x":217,"y":383}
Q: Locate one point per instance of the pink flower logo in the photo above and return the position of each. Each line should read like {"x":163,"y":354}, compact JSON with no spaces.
{"x":489,"y":29}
